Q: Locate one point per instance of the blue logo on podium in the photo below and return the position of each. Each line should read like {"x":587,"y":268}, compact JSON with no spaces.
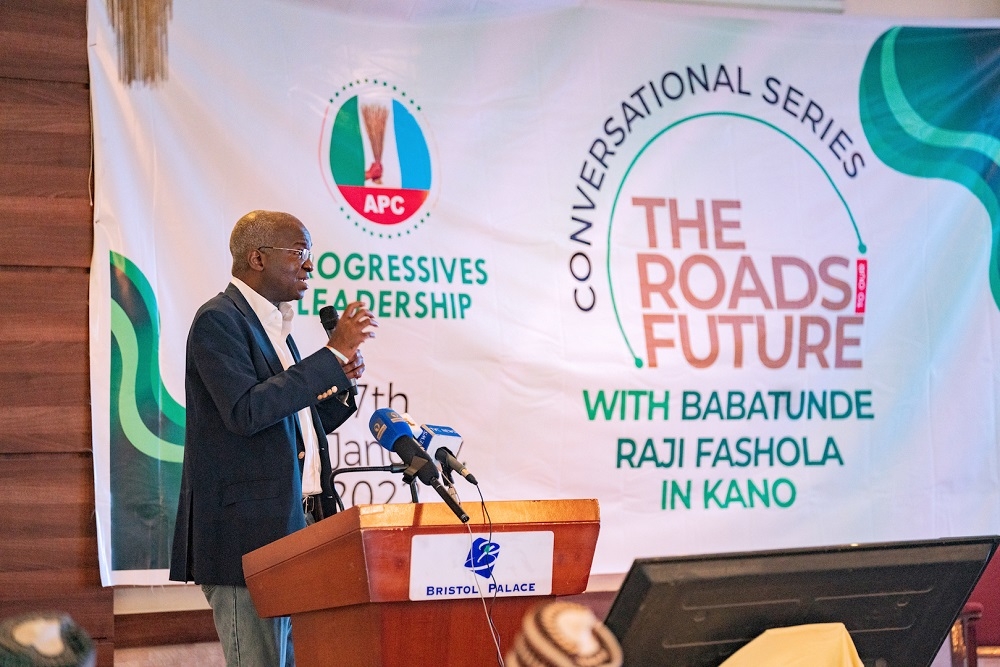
{"x":482,"y":557}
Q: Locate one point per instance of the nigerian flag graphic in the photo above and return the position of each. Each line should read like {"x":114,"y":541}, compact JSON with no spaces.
{"x":379,"y":159}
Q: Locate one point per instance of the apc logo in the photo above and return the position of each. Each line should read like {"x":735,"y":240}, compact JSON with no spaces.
{"x":376,"y":158}
{"x":482,"y":557}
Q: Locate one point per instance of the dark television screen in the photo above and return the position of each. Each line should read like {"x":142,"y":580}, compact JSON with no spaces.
{"x":898,"y":600}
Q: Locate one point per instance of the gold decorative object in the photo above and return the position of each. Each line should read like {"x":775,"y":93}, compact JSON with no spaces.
{"x":140,"y":27}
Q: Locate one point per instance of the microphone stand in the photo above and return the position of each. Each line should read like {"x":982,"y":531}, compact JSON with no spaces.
{"x":392,"y":468}
{"x":449,"y":483}
{"x":410,"y":478}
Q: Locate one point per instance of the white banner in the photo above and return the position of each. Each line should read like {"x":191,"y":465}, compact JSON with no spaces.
{"x":735,"y":277}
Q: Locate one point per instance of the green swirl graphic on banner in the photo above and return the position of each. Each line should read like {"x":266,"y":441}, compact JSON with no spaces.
{"x":147,"y":427}
{"x":929,"y":108}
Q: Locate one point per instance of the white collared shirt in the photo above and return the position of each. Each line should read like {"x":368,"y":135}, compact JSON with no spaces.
{"x":277,"y":324}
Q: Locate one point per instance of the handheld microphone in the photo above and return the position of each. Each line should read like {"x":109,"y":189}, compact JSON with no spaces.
{"x":329,"y":316}
{"x":394,"y":434}
{"x":449,"y":463}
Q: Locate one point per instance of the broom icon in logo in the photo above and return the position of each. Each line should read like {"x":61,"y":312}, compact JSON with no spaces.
{"x":379,"y":161}
{"x":375,"y":116}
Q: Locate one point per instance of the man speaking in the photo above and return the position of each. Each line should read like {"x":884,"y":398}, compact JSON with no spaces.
{"x":256,"y":462}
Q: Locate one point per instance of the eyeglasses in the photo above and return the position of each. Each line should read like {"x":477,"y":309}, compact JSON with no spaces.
{"x":305,"y":254}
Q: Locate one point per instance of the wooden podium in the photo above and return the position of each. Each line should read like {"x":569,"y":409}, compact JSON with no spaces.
{"x":345,"y":583}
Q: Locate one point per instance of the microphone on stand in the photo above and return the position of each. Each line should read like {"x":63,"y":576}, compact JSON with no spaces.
{"x":445,"y":435}
{"x":329,"y":316}
{"x":394,"y":434}
{"x":449,"y":463}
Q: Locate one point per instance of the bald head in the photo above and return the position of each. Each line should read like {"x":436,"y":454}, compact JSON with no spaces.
{"x":255,"y":230}
{"x":271,"y":255}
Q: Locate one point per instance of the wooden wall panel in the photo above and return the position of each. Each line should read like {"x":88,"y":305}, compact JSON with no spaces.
{"x":45,"y":174}
{"x":44,"y":40}
{"x":48,"y":549}
{"x":48,"y":535}
{"x":44,"y":231}
{"x":163,"y":628}
{"x":60,"y":109}
{"x":49,"y":306}
{"x":44,"y":381}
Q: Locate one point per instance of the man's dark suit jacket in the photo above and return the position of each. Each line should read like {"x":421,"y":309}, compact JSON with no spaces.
{"x":241,"y":486}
